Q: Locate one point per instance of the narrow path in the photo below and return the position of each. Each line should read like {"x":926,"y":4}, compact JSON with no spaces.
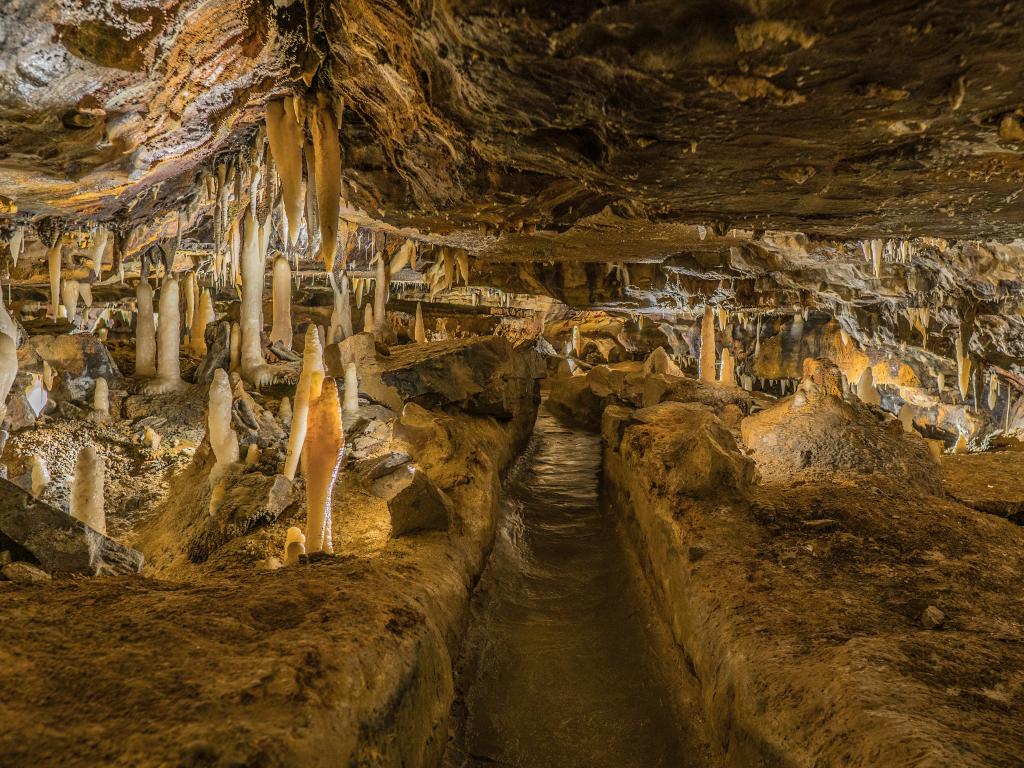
{"x":559,"y":668}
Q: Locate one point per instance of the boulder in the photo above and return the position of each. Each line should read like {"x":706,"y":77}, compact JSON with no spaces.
{"x":82,"y":355}
{"x":59,"y":542}
{"x":415,"y":503}
{"x":696,"y":455}
{"x":21,"y":572}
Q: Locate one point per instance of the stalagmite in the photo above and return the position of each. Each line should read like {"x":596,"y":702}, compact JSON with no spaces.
{"x":707,"y":345}
{"x":322,"y":452}
{"x":285,"y":135}
{"x":53,"y":262}
{"x":312,"y":362}
{"x":204,"y":316}
{"x":40,"y":475}
{"x":727,"y":374}
{"x":69,"y":299}
{"x":189,"y":286}
{"x":17,"y":241}
{"x":294,"y":546}
{"x":906,"y":418}
{"x":87,"y":490}
{"x":993,"y":391}
{"x":168,"y":364}
{"x":223,"y":439}
{"x":235,"y":347}
{"x":145,"y":331}
{"x":940,"y":381}
{"x":284,"y":412}
{"x":866,"y":388}
{"x":252,"y":455}
{"x":351,"y":404}
{"x":419,"y":334}
{"x":101,"y":398}
{"x":963,"y":367}
{"x":282,"y":297}
{"x":368,"y":324}
{"x":323,"y":126}
{"x":575,"y":343}
{"x":380,"y":295}
{"x":341,"y":314}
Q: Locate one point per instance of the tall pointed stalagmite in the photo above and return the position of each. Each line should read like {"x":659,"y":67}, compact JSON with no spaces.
{"x":419,"y":333}
{"x":322,"y":452}
{"x":707,"y":345}
{"x":312,"y":364}
{"x":380,"y":294}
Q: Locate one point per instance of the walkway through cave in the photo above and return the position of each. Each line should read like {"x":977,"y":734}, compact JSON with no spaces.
{"x":560,"y":667}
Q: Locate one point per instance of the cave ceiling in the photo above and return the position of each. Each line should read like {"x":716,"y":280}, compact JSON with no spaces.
{"x":663,"y":131}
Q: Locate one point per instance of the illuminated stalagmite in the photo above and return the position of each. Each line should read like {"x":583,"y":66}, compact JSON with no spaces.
{"x":101,"y":399}
{"x":322,"y":452}
{"x":285,"y":135}
{"x":254,"y":368}
{"x":145,"y":331}
{"x":727,"y":374}
{"x":866,"y":388}
{"x":323,"y":126}
{"x":341,"y":314}
{"x":707,"y":345}
{"x":380,"y":295}
{"x":69,"y":293}
{"x":204,"y":316}
{"x":223,"y":439}
{"x":40,"y":475}
{"x":87,"y":490}
{"x":368,"y":325}
{"x":294,"y":546}
{"x":312,"y":363}
{"x":282,"y":295}
{"x":8,"y":368}
{"x":168,"y":364}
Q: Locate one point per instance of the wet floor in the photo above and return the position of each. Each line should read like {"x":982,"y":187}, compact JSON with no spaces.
{"x":559,"y":667}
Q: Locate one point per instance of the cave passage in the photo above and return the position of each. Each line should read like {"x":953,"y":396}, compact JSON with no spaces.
{"x":561,"y":664}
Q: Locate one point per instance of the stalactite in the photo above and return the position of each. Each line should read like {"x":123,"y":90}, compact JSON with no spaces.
{"x":282,"y":298}
{"x":203,"y":317}
{"x":285,"y":135}
{"x":223,"y":439}
{"x":322,"y":452}
{"x":706,"y":365}
{"x":963,"y":367}
{"x":98,"y":249}
{"x":87,"y":490}
{"x":312,"y":362}
{"x":324,"y":125}
{"x":145,"y":331}
{"x":85,"y":293}
{"x":462,"y":262}
{"x":53,"y":261}
{"x":876,"y":258}
{"x":723,"y":318}
{"x":351,"y":403}
{"x":404,"y":257}
{"x":294,"y":546}
{"x":419,"y":333}
{"x":69,"y":299}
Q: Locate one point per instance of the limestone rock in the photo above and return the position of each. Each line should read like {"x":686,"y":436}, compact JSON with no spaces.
{"x":81,"y":355}
{"x":21,"y":572}
{"x":415,"y":503}
{"x":932,"y":617}
{"x":57,"y":541}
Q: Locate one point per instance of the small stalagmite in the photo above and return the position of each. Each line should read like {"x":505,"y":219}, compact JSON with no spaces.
{"x":282,"y":298}
{"x":101,"y":399}
{"x":53,"y":257}
{"x":368,"y":324}
{"x":40,"y":475}
{"x":8,"y":368}
{"x":204,"y":316}
{"x":322,"y":452}
{"x":87,"y":490}
{"x":419,"y":333}
{"x":380,"y":295}
{"x":223,"y":439}
{"x":145,"y":331}
{"x":727,"y":372}
{"x":284,"y":412}
{"x":294,"y":546}
{"x":575,"y":343}
{"x":866,"y":388}
{"x":707,"y":345}
{"x":312,"y":363}
{"x":351,"y":404}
